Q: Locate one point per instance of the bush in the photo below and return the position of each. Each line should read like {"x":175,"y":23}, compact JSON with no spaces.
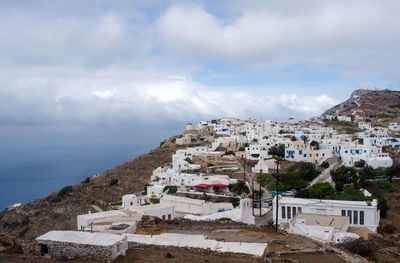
{"x":172,"y":189}
{"x":325,"y":164}
{"x":154,"y":200}
{"x":320,"y":190}
{"x":315,"y":144}
{"x":113,"y":182}
{"x":277,"y":150}
{"x":64,"y":191}
{"x":241,"y":149}
{"x":387,"y":185}
{"x":239,"y":188}
{"x":383,"y":206}
{"x":223,"y":219}
{"x":308,"y":171}
{"x":235,"y":202}
{"x":86,"y":181}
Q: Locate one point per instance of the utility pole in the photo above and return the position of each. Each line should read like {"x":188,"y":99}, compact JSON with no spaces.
{"x":277,"y":194}
{"x":244,"y":169}
{"x":259,"y":189}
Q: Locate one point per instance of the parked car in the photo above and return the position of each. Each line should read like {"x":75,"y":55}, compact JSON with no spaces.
{"x":267,"y":202}
{"x":288,"y":193}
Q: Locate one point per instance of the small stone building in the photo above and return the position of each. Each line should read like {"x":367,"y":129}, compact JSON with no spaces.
{"x":82,"y":245}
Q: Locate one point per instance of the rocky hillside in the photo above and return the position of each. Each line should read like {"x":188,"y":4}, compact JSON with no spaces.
{"x":378,"y":107}
{"x":20,"y":226}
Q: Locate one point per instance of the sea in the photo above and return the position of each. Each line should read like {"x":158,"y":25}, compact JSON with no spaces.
{"x":30,"y":170}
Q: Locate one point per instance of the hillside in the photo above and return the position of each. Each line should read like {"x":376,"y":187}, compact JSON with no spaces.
{"x":378,"y":107}
{"x":20,"y":226}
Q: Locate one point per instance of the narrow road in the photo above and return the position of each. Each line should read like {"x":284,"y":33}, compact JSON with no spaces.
{"x":325,"y":176}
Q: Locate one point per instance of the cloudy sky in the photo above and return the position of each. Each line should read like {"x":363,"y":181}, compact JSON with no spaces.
{"x":151,"y":62}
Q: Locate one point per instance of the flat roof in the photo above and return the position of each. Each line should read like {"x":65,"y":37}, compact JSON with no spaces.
{"x":181,"y":199}
{"x":79,"y":237}
{"x":294,"y":200}
{"x":150,"y":207}
{"x":322,"y":220}
{"x":111,"y":213}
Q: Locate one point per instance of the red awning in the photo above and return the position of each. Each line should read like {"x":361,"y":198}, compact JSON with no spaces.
{"x":203,"y":185}
{"x":220,"y":185}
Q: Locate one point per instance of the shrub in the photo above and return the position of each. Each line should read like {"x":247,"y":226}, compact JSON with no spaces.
{"x":86,"y":181}
{"x":277,"y":150}
{"x":239,"y":188}
{"x":308,"y":171}
{"x":224,"y":219}
{"x":241,"y":149}
{"x":325,"y":164}
{"x":387,"y":185}
{"x":320,"y":190}
{"x":64,"y":191}
{"x":113,"y":182}
{"x":315,"y":144}
{"x":154,"y":200}
{"x":172,"y":189}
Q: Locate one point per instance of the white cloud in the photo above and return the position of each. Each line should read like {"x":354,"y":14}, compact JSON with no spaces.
{"x":91,"y":98}
{"x":357,"y":37}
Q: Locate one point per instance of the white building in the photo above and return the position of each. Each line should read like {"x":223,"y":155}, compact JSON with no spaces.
{"x":394,"y":126}
{"x":372,"y":155}
{"x":96,"y":221}
{"x":323,"y":228}
{"x":82,"y":245}
{"x":163,"y":211}
{"x":360,"y":213}
{"x":194,"y":206}
{"x":130,"y":200}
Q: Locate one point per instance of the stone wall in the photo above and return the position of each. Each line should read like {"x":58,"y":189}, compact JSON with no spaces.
{"x":83,"y":251}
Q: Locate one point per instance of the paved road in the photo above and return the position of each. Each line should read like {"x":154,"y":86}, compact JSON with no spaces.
{"x":325,"y":176}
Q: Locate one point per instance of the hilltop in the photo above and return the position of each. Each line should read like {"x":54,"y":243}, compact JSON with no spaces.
{"x":377,"y":107}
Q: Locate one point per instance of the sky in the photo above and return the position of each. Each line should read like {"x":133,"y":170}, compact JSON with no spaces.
{"x":107,"y":73}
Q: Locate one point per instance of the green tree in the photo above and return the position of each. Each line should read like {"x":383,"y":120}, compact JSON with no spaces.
{"x":308,"y":171}
{"x":320,"y":190}
{"x":315,"y":144}
{"x":239,"y":188}
{"x":344,"y":175}
{"x":325,"y":164}
{"x":172,"y":189}
{"x":393,"y":171}
{"x":277,"y":150}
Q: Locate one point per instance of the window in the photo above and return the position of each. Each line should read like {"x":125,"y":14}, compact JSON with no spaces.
{"x":310,"y":154}
{"x":305,"y":155}
{"x":289,"y":214}
{"x":299,"y":210}
{"x":361,"y":217}
{"x":355,"y":218}
{"x":349,"y":215}
{"x":132,"y":202}
{"x":294,"y":211}
{"x":169,"y":216}
{"x":283,"y":212}
{"x":343,"y":212}
{"x":163,"y":217}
